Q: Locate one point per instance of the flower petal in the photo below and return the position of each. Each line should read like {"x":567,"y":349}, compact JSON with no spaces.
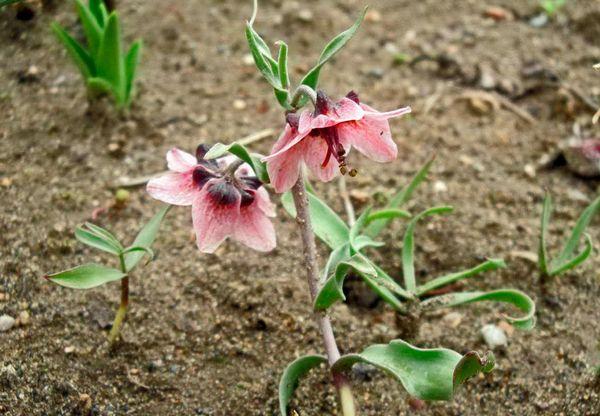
{"x":288,"y":139}
{"x":283,"y":165}
{"x":180,"y":161}
{"x":314,"y":150}
{"x":342,"y":111}
{"x":386,"y":115}
{"x":264,"y":202}
{"x":173,"y":188}
{"x":254,"y":229}
{"x":214,"y":215}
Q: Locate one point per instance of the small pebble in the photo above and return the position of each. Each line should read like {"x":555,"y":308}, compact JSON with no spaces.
{"x":239,"y":104}
{"x":373,"y":16}
{"x":498,"y":13}
{"x":440,"y":187}
{"x":494,"y":336}
{"x":6,"y":323}
{"x":24,"y":318}
{"x":305,"y":15}
{"x":452,"y":319}
{"x":69,"y":349}
{"x":248,"y":60}
{"x":529,"y":170}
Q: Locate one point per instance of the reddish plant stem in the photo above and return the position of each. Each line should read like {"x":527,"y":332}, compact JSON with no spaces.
{"x":312,"y":275}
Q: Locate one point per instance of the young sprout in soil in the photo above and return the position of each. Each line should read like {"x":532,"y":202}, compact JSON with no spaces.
{"x":568,"y":258}
{"x":320,"y":140}
{"x":551,"y":7}
{"x":91,"y":275}
{"x":105,"y":68}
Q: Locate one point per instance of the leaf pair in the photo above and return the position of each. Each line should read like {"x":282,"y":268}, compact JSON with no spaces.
{"x":240,"y":151}
{"x":103,"y":65}
{"x":429,"y":374}
{"x":275,"y":71}
{"x":567,"y":259}
{"x":92,"y":275}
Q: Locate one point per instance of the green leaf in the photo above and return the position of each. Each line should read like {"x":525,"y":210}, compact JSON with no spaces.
{"x":282,"y":58}
{"x":79,"y":55}
{"x":358,"y":225}
{"x":110,"y":60}
{"x":98,"y":86}
{"x":335,"y":45}
{"x":86,"y":276}
{"x":400,"y":198}
{"x":363,"y":241}
{"x":145,"y":238}
{"x":385,"y":281}
{"x":146,"y":250}
{"x":574,"y":261}
{"x":429,"y":374}
{"x":388,"y":214}
{"x":573,"y":242}
{"x":512,"y":296}
{"x":332,"y":290}
{"x":98,"y":241}
{"x":92,"y":29}
{"x":104,"y":233}
{"x":95,"y":7}
{"x":262,"y":57}
{"x":542,"y":250}
{"x":335,"y":257}
{"x":490,"y":264}
{"x":292,"y":375}
{"x":408,"y":247}
{"x":131,"y":63}
{"x":327,"y":225}
{"x":239,"y":150}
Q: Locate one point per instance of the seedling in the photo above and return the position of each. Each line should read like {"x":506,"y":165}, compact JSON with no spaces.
{"x":568,"y":258}
{"x":551,"y":7}
{"x":92,"y":275}
{"x":102,"y":63}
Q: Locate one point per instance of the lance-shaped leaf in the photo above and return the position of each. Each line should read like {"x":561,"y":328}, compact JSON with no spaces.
{"x":490,"y":264}
{"x":96,"y":7}
{"x":110,"y":60}
{"x":292,"y":375}
{"x":335,"y":257}
{"x":332,"y":290}
{"x":358,"y":225}
{"x":145,"y":238}
{"x":429,"y":374}
{"x":511,"y":296}
{"x":542,"y":250}
{"x":408,"y":246}
{"x":388,"y":214}
{"x":131,"y":63}
{"x":80,"y":56}
{"x":376,"y":226}
{"x":363,"y":241}
{"x":93,"y":31}
{"x":327,"y":225}
{"x":334,"y":46}
{"x":99,"y":86}
{"x":573,"y":261}
{"x":262,"y":57}
{"x":102,"y":240}
{"x":146,"y":250}
{"x":86,"y":276}
{"x":239,"y":150}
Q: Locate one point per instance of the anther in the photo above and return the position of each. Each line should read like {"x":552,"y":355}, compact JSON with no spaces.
{"x":353,"y":172}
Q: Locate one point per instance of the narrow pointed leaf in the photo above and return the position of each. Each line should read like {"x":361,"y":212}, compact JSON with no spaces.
{"x":490,"y":264}
{"x":332,"y":290}
{"x":145,"y":238}
{"x":292,"y":375}
{"x":388,"y":214}
{"x":359,"y":224}
{"x":86,"y":276}
{"x":96,"y":241}
{"x":80,"y":56}
{"x":239,"y":150}
{"x":146,"y":250}
{"x":363,"y":241}
{"x":327,"y":225}
{"x":557,"y":268}
{"x":400,"y":198}
{"x":583,"y":221}
{"x":335,"y":257}
{"x":92,"y":29}
{"x":408,"y":246}
{"x":262,"y":56}
{"x":131,"y":63}
{"x":385,"y":281}
{"x":511,"y":296}
{"x":542,"y":250}
{"x":282,"y":58}
{"x":98,"y":86}
{"x":95,"y":7}
{"x":428,"y":374}
{"x":103,"y":233}
{"x":110,"y":60}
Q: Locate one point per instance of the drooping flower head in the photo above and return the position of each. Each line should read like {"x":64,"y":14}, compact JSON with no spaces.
{"x":227,"y":199}
{"x":322,"y":140}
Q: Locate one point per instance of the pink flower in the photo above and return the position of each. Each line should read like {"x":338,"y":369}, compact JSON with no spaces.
{"x":323,"y":139}
{"x":224,"y":203}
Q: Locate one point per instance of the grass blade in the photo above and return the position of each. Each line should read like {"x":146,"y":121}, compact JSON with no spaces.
{"x":80,"y":56}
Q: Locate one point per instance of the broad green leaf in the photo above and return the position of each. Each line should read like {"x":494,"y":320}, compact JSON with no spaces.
{"x":408,"y":246}
{"x":542,"y":250}
{"x":327,"y":225}
{"x":98,"y":86}
{"x":512,"y":296}
{"x":557,"y":268}
{"x":490,"y":264}
{"x":131,"y":63}
{"x":292,"y":375}
{"x":429,"y":374}
{"x":110,"y":60}
{"x":239,"y":150}
{"x":104,"y":233}
{"x":580,"y":226}
{"x":335,"y":45}
{"x":145,"y":238}
{"x":400,"y":199}
{"x":86,"y":276}
{"x":388,"y":214}
{"x":79,"y":55}
{"x":92,"y":29}
{"x":97,"y":241}
{"x":332,"y":289}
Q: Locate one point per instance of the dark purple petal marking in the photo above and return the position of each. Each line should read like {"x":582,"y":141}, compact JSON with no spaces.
{"x":293,"y":120}
{"x":223,"y":192}
{"x":251,"y":182}
{"x":200,"y":176}
{"x":323,"y":104}
{"x":247,"y":197}
{"x":201,"y":151}
{"x":353,"y":96}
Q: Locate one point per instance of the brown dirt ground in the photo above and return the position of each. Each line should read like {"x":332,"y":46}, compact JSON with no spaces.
{"x":210,"y":335}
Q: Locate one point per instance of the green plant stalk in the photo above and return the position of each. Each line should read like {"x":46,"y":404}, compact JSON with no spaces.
{"x":115,"y":331}
{"x":303,"y":219}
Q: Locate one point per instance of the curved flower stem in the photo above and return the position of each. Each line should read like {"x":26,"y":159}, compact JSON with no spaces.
{"x":312,"y":274}
{"x":303,"y":90}
{"x":122,"y":311}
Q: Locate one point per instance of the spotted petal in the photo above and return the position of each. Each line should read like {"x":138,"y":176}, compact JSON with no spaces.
{"x":254,"y":229}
